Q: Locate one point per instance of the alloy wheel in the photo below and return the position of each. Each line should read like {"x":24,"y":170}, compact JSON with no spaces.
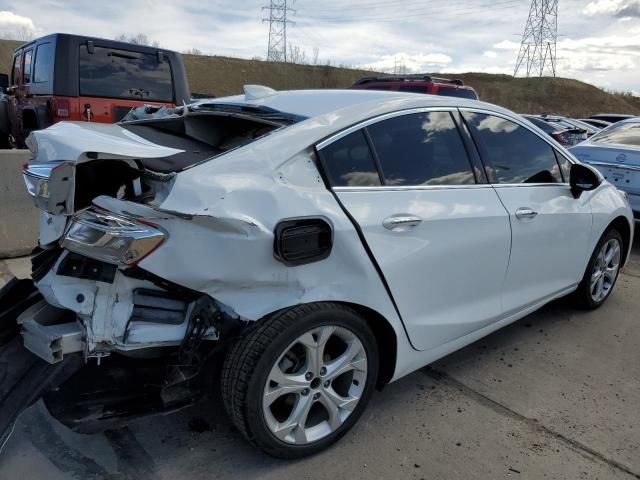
{"x":605,"y":270}
{"x":315,"y":385}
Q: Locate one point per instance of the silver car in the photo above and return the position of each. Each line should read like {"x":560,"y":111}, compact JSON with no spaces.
{"x":615,"y":151}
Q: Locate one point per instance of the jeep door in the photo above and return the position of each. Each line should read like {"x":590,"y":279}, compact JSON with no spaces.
{"x":436,"y":229}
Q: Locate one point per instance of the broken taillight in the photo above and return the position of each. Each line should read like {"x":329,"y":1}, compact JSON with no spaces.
{"x":112,"y":238}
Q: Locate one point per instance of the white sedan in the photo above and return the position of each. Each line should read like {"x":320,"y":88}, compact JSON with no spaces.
{"x":319,"y":243}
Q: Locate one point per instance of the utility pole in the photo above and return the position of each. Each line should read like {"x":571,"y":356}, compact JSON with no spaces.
{"x":277,"y":48}
{"x":537,"y":54}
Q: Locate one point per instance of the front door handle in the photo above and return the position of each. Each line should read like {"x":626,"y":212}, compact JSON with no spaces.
{"x":401,"y":223}
{"x":525,"y":213}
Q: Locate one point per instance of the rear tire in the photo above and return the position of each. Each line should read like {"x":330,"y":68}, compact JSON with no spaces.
{"x":300,"y":379}
{"x":602,"y":271}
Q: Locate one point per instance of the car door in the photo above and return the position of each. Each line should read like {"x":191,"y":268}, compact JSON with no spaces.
{"x":440,"y":238}
{"x":550,"y":228}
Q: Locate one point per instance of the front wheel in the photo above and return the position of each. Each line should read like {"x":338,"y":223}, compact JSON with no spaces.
{"x":301,"y":378}
{"x":602,"y":271}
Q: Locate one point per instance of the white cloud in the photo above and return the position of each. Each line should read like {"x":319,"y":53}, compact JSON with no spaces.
{"x":16,"y":26}
{"x":620,"y":8}
{"x":506,"y":45}
{"x":490,"y":54}
{"x":420,"y":62}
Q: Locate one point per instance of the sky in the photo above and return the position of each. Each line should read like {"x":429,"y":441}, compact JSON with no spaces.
{"x":598,"y":40}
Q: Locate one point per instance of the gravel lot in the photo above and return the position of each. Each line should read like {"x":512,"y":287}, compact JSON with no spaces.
{"x":555,"y":395}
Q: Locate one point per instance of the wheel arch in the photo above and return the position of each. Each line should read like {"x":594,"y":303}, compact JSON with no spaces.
{"x":621,"y":224}
{"x":386,"y":339}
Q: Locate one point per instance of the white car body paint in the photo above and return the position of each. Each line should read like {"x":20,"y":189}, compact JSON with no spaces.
{"x":72,"y":141}
{"x":220,"y":216}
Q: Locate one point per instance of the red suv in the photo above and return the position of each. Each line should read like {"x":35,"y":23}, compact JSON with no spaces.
{"x":418,"y":84}
{"x":70,"y":77}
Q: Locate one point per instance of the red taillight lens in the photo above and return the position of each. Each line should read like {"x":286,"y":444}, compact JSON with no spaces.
{"x":560,"y":138}
{"x":61,"y":107}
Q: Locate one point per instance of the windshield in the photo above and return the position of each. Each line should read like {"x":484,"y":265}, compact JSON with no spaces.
{"x":115,"y":73}
{"x":627,"y":133}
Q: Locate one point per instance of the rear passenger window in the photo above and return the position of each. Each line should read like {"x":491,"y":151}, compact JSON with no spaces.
{"x":15,"y":71}
{"x":512,"y":153}
{"x":27,"y":66}
{"x":421,"y":149}
{"x":43,"y":65}
{"x":349,"y":163}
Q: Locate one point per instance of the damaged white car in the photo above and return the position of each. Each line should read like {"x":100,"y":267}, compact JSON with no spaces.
{"x":303,"y":247}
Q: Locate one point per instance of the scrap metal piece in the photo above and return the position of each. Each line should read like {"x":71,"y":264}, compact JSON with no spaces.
{"x":46,"y":336}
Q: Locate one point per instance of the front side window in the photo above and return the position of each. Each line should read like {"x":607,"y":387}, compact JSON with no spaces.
{"x":622,"y":134}
{"x":27,"y":66}
{"x":43,"y":65}
{"x":115,"y":73}
{"x":348,"y":162}
{"x":512,"y":153}
{"x":421,"y":149}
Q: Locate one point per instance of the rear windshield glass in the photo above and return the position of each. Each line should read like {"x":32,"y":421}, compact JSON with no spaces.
{"x":620,"y":134}
{"x":115,"y":73}
{"x":412,"y":88}
{"x":458,"y":92}
{"x":379,"y":87}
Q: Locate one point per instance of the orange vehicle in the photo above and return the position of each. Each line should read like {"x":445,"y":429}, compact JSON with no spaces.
{"x":70,"y":77}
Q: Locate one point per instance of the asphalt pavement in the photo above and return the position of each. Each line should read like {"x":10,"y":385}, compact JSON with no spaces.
{"x":555,"y":395}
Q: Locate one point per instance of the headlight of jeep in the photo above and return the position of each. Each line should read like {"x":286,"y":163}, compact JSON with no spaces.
{"x":112,"y":238}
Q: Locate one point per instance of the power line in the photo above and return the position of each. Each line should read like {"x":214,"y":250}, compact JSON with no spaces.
{"x":278,"y":21}
{"x":538,"y":48}
{"x":381,"y":17}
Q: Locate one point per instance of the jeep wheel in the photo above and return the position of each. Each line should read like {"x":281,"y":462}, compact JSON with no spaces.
{"x":300,"y":379}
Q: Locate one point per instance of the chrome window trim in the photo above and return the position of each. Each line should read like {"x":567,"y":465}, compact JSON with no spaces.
{"x":518,"y":121}
{"x":385,"y":116}
{"x":446,"y":187}
{"x":337,"y":136}
{"x":391,"y":188}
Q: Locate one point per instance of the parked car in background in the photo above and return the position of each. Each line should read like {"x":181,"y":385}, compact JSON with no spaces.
{"x":565,"y":135}
{"x":418,"y":84}
{"x":615,"y":151}
{"x":70,"y":77}
{"x":309,"y":244}
{"x":584,"y":131}
{"x":596,"y":123}
{"x":611,"y":117}
{"x":590,"y":129}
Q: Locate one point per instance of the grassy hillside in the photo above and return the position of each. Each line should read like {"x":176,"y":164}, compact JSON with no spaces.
{"x":221,"y":76}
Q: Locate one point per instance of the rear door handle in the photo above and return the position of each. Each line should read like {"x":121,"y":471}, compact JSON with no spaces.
{"x":401,"y":223}
{"x":525,"y":213}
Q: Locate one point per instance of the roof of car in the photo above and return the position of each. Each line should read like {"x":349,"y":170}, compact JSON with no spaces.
{"x":312,"y":103}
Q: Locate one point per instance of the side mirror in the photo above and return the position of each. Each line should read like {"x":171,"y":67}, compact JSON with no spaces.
{"x":4,"y":81}
{"x":583,"y":178}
